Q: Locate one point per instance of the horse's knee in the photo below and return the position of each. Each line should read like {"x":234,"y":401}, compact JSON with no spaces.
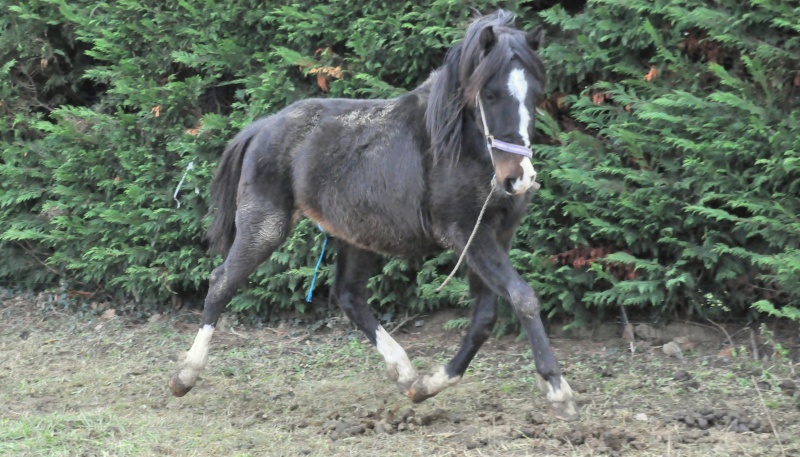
{"x":524,"y":300}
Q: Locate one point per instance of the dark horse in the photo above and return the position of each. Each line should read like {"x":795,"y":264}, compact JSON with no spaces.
{"x":407,"y":176}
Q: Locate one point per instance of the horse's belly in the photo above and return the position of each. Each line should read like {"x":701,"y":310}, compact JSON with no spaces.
{"x":401,"y":238}
{"x":391,"y":241}
{"x":376,"y":231}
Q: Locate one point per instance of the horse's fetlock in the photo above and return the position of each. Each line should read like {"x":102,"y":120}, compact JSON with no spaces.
{"x":392,"y":373}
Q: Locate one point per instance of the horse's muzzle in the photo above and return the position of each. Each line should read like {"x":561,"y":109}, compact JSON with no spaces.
{"x":518,"y":182}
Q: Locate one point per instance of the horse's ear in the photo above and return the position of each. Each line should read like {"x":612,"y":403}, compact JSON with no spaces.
{"x":535,"y":38}
{"x":487,"y":39}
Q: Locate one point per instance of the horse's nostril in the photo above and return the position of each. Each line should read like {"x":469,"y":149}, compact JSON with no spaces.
{"x":508,"y":185}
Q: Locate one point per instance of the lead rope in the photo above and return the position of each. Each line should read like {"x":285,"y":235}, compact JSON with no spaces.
{"x":469,"y":241}
{"x":485,"y":204}
{"x":319,"y":262}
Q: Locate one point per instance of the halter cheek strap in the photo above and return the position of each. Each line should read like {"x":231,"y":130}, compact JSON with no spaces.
{"x":492,"y":142}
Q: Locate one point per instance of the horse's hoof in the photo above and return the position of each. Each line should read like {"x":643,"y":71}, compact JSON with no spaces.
{"x":565,"y":410}
{"x":429,"y":385}
{"x":423,"y":389}
{"x":417,"y":391}
{"x":418,"y":394}
{"x":178,"y":388}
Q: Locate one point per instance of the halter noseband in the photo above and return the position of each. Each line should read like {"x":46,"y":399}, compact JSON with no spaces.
{"x":492,"y":142}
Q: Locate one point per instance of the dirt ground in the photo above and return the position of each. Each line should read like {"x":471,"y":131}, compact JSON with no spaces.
{"x":94,"y":384}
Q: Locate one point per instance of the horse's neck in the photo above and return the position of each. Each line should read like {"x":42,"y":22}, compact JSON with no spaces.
{"x":473,"y":143}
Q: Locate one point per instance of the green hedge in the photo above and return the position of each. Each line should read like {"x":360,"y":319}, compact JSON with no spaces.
{"x":676,"y":172}
{"x":670,"y":159}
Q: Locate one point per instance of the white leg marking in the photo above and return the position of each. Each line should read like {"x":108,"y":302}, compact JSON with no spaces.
{"x":562,"y":394}
{"x":562,"y":403}
{"x":399,"y":366}
{"x":197,"y":356}
{"x":438,"y":381}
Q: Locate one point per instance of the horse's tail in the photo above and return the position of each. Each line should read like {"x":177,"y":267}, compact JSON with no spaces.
{"x":224,"y":189}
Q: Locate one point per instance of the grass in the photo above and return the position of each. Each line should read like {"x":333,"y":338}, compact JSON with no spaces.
{"x":59,"y":434}
{"x":77,"y":386}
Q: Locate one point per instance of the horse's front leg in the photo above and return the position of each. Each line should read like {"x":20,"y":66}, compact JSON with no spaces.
{"x":489,"y":260}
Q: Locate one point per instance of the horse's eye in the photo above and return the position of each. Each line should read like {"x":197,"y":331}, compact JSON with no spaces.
{"x":490,"y":98}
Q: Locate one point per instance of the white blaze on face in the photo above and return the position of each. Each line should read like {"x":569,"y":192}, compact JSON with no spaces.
{"x":395,"y":357}
{"x":518,"y":87}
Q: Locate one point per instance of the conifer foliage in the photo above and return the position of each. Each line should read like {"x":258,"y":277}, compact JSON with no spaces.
{"x":670,"y":155}
{"x":673,"y":170}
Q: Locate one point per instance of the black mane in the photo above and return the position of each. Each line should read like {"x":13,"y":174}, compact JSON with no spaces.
{"x":466,"y":70}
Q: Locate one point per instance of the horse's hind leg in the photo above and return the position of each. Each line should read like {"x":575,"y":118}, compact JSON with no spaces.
{"x":484,"y":315}
{"x":354,"y":267}
{"x":262,"y":225}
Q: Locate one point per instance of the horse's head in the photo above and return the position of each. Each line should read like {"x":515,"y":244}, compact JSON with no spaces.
{"x":500,"y":78}
{"x":513,"y":79}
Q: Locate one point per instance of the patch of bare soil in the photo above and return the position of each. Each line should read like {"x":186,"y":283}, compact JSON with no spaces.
{"x":95,"y":384}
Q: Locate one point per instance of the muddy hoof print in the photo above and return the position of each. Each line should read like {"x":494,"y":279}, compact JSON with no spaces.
{"x":732,"y":421}
{"x":177,"y":388}
{"x":380,"y":422}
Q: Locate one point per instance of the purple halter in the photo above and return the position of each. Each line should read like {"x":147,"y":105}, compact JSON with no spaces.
{"x":509,"y":147}
{"x":492,"y":142}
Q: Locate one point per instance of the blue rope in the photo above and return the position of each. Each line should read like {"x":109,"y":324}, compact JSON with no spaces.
{"x":319,"y":262}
